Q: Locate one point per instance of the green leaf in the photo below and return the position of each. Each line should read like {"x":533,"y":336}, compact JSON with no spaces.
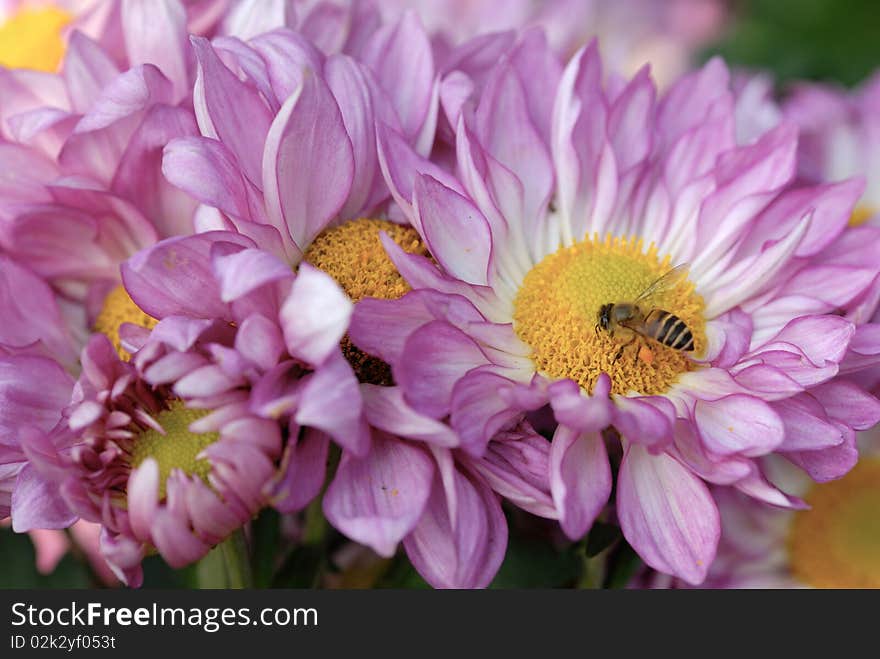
{"x":302,"y":569}
{"x":265,"y":540}
{"x":624,"y":566}
{"x":158,"y":574}
{"x":402,"y":574}
{"x":535,"y":563}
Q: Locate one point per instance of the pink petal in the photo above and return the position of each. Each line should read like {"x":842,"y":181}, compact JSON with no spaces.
{"x":37,"y":503}
{"x":87,"y":70}
{"x":646,"y":420}
{"x":401,"y":57}
{"x":462,"y":549}
{"x":484,"y":402}
{"x":139,"y":174}
{"x":176,"y":541}
{"x":434,"y":358}
{"x":457,"y":233}
{"x":176,"y":276}
{"x":33,"y":392}
{"x":155,"y":31}
{"x":378,"y":499}
{"x":580,"y":479}
{"x":330,"y":400}
{"x":667,"y":514}
{"x":849,"y":404}
{"x":307,"y":150}
{"x":303,"y":472}
{"x":208,"y":171}
{"x":315,"y":315}
{"x":143,"y":498}
{"x":516,"y":466}
{"x":243,"y":271}
{"x":739,"y":424}
{"x":260,"y":340}
{"x":806,"y":425}
{"x":386,"y":409}
{"x":235,"y":112}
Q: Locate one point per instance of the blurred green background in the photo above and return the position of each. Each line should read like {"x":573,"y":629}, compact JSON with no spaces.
{"x":828,"y":40}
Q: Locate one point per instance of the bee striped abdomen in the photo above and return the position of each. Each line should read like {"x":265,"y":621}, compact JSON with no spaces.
{"x":670,"y":330}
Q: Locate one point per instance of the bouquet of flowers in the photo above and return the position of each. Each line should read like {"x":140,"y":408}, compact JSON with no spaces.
{"x":373,"y":286}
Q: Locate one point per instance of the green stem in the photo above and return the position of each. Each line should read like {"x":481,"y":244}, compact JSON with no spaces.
{"x":593,"y":570}
{"x":227,"y":565}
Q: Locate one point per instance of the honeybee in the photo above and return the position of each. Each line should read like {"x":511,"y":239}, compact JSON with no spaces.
{"x":639,"y":317}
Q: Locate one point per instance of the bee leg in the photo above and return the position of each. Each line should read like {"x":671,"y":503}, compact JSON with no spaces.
{"x":623,"y":347}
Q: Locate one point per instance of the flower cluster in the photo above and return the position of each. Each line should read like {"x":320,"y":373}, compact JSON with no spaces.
{"x":417,"y":278}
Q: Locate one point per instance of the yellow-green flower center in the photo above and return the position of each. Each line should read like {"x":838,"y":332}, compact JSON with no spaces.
{"x":119,"y":308}
{"x":31,"y":39}
{"x":836,"y":543}
{"x":557,"y":307}
{"x":178,"y":447}
{"x":353,"y":255}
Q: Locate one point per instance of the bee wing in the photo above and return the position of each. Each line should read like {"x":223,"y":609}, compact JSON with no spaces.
{"x":668,"y":280}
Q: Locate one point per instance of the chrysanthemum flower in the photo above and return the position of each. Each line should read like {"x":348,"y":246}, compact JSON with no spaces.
{"x":283,"y":365}
{"x":632,"y":32}
{"x":83,"y":151}
{"x":840,"y":136}
{"x":153,"y":470}
{"x":533,"y":238}
{"x":86,"y":147}
{"x":305,"y":186}
{"x":835,"y":543}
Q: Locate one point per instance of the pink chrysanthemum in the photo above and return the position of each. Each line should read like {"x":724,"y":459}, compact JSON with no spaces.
{"x":305,"y":187}
{"x":154,"y":470}
{"x":834,"y":543}
{"x":840,"y":137}
{"x":86,"y":147}
{"x":632,"y":32}
{"x":540,"y":229}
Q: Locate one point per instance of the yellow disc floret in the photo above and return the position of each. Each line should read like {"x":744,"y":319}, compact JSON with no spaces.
{"x":861,"y":214}
{"x":119,"y":308}
{"x":31,"y":39}
{"x":556,"y":313}
{"x":353,"y":255}
{"x":836,"y":543}
{"x":178,"y":447}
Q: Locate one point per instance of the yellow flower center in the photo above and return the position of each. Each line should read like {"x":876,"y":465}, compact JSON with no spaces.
{"x":119,"y":308}
{"x":353,"y":255}
{"x":861,"y":214}
{"x":31,"y":39}
{"x":836,"y":543}
{"x":178,"y":447}
{"x":556,"y":313}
